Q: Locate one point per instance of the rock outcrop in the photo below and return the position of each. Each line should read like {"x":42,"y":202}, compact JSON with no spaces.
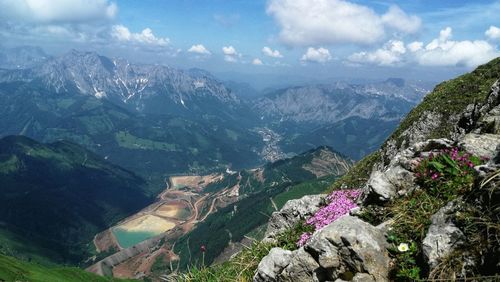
{"x":291,"y":213}
{"x":443,"y":236}
{"x":272,"y":265}
{"x":349,"y":247}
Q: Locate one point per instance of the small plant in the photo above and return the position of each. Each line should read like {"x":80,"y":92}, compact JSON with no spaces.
{"x":447,"y":170}
{"x":339,"y":203}
{"x":443,"y":176}
{"x":404,"y":253}
{"x":287,"y":240}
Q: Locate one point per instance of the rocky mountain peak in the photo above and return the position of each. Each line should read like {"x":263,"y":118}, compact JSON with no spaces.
{"x":139,"y":87}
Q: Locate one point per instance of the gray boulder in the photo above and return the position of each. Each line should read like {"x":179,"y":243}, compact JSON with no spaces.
{"x":432,"y":144}
{"x":272,"y":265}
{"x":443,"y":236}
{"x":348,"y":247}
{"x":383,"y":186}
{"x":351,"y":245}
{"x":291,"y":213}
{"x":302,"y":267}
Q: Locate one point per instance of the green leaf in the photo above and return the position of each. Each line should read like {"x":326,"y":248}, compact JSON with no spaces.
{"x":438,"y":166}
{"x":451,"y":162}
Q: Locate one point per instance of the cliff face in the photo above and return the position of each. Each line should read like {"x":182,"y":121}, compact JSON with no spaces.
{"x":429,"y":199}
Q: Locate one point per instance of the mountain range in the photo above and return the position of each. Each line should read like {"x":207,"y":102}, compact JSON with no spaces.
{"x":166,"y":120}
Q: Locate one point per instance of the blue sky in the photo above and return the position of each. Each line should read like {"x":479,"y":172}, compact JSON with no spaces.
{"x":314,"y":40}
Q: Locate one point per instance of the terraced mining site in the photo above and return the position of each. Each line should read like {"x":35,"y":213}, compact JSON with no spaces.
{"x":144,"y":236}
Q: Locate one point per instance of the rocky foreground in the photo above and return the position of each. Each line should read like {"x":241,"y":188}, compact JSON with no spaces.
{"x":429,"y":205}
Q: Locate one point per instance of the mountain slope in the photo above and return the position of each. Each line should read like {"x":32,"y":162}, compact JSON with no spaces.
{"x":452,"y":107}
{"x":22,"y":57}
{"x":58,"y":196}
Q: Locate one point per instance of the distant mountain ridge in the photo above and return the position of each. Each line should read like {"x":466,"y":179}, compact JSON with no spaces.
{"x":142,"y":88}
{"x":338,"y":101}
{"x":353,"y":118}
{"x":22,"y":57}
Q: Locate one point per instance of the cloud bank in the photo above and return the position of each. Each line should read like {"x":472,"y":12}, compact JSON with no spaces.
{"x":315,"y":22}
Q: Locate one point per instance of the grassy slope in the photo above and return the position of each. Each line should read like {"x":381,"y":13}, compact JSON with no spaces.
{"x":15,"y":270}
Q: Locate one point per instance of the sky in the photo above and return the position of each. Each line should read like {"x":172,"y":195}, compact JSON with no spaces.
{"x":261,"y":41}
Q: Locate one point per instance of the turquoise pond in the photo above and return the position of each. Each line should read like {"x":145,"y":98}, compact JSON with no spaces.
{"x":127,"y":239}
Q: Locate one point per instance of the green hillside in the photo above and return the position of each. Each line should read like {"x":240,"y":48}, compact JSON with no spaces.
{"x":55,"y":197}
{"x":15,"y":270}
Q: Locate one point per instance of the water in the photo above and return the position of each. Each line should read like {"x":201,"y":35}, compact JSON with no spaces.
{"x":128,"y":239}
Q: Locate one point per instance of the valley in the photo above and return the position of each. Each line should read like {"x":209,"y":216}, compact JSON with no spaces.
{"x":159,"y":231}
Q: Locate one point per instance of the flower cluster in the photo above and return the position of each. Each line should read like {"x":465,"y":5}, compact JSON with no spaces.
{"x":445,"y":163}
{"x":339,"y":203}
{"x":304,"y":238}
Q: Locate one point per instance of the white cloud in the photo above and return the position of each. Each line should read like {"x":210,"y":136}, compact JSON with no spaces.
{"x":443,"y":51}
{"x":320,"y":55}
{"x":415,"y":46}
{"x":58,"y":11}
{"x":257,"y":62}
{"x":398,"y":20}
{"x":493,"y":33}
{"x":271,"y":53}
{"x":390,"y":54}
{"x":199,"y":49}
{"x":230,"y":54}
{"x":229,"y":50}
{"x":146,"y":37}
{"x":311,"y":22}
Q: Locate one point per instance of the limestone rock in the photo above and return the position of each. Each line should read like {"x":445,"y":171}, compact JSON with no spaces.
{"x":383,"y":186}
{"x":291,"y":213}
{"x":302,"y":267}
{"x":484,"y":145}
{"x":272,"y":265}
{"x":346,"y":247}
{"x":351,"y":245}
{"x":443,"y":236}
{"x":432,"y":144}
{"x":379,"y":188}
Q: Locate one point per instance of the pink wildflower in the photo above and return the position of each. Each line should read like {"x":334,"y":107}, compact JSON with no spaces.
{"x":303,"y":239}
{"x":341,"y":202}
